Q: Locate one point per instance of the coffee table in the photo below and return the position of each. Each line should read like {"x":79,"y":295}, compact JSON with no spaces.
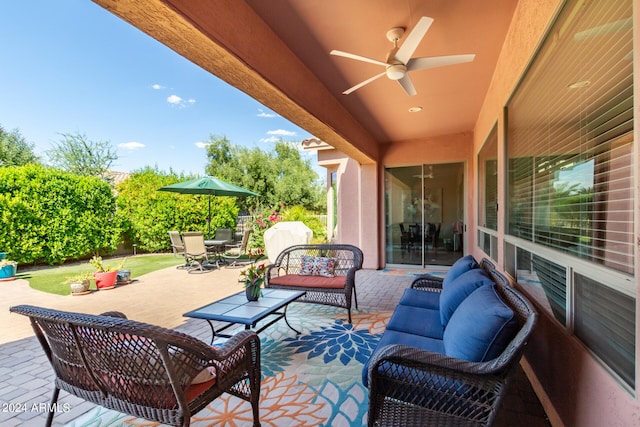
{"x":235,"y":309}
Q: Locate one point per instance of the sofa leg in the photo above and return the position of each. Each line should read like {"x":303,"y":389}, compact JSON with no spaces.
{"x":54,"y":399}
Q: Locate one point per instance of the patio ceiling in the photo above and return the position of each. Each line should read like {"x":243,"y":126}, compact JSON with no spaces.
{"x":277,"y":51}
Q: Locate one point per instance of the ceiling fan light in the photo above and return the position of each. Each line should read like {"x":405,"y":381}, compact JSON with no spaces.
{"x":396,"y":71}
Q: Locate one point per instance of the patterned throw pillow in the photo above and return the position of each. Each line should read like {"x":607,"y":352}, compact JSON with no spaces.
{"x":317,"y":266}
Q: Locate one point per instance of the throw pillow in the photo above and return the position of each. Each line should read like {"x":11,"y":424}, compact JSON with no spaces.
{"x":317,"y":266}
{"x":454,"y":292}
{"x":459,"y":267}
{"x":481,"y":327}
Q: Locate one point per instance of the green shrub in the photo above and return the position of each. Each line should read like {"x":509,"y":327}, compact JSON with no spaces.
{"x":299,"y":213}
{"x":51,"y":216}
{"x":150,"y":214}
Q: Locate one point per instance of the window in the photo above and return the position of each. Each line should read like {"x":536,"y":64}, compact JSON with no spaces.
{"x":488,"y":182}
{"x":570,"y":186}
{"x":570,"y":136}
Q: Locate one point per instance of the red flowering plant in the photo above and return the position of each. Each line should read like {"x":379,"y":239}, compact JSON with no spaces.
{"x":254,"y":278}
{"x":260,"y":221}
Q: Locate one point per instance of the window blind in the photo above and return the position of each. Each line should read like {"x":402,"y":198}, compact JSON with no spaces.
{"x":570,"y":145}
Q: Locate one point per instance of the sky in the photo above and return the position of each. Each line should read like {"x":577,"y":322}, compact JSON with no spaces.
{"x":71,"y":67}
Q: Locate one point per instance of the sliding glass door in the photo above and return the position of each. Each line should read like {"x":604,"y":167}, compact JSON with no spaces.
{"x":424,"y":212}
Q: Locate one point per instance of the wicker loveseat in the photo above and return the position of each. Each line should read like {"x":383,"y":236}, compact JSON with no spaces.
{"x":449,"y":350}
{"x":326,"y":272}
{"x":143,"y":370}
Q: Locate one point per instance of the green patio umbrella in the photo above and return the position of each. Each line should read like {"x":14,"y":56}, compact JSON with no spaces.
{"x":211,"y":186}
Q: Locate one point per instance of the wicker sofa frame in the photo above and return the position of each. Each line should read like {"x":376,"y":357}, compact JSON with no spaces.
{"x":140,"y":369}
{"x":413,"y":387}
{"x":338,"y":291}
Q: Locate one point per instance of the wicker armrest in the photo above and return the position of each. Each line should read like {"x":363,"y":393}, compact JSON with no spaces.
{"x":427,"y":361}
{"x":408,"y":386}
{"x":119,"y":314}
{"x":241,"y":339}
{"x":427,"y":282}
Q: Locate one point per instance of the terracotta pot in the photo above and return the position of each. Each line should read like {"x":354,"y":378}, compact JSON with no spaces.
{"x":106,"y":280}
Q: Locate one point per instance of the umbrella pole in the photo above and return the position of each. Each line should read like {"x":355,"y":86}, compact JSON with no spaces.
{"x":209,"y":219}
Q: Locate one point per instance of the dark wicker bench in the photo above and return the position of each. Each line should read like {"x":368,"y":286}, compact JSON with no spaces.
{"x":143,"y":370}
{"x":410,"y":385}
{"x":335,"y":290}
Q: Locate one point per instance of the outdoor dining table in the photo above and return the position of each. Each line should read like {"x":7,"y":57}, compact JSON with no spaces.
{"x":216,"y":246}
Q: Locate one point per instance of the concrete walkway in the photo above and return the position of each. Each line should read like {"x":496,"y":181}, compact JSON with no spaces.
{"x":159,"y":298}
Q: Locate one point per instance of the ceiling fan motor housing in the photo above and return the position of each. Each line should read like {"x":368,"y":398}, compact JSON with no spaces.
{"x":396,"y":71}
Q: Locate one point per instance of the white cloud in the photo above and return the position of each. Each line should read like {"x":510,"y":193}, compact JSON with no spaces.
{"x":262,"y":113}
{"x":133,"y":145}
{"x":281,"y":132}
{"x":156,"y":86}
{"x":201,"y":144}
{"x":177,"y":101}
{"x":174,"y":99}
{"x":270,"y":139}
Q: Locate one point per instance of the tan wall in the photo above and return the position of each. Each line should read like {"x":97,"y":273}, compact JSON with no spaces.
{"x":358,"y":218}
{"x":576,"y":390}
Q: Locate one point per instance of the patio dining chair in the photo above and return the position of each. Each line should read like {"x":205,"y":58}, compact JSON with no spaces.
{"x":232,"y":253}
{"x":177,"y":245}
{"x":195,"y":252}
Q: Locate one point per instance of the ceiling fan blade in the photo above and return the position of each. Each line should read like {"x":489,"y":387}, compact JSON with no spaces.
{"x":438,"y":61}
{"x":359,"y":85}
{"x":407,"y":85}
{"x":413,"y":39}
{"x":357,"y":57}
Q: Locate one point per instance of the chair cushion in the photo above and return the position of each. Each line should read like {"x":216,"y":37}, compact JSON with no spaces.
{"x":416,"y":320}
{"x":459,"y":267}
{"x":421,"y":298}
{"x":337,"y":282}
{"x":481,"y":327}
{"x":394,"y":337}
{"x":454,"y":292}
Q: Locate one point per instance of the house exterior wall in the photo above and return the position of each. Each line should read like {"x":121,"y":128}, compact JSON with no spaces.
{"x":574,"y":387}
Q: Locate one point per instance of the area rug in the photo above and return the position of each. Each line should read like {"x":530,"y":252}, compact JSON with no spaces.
{"x":311,"y":379}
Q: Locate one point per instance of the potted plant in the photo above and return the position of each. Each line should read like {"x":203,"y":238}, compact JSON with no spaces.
{"x":8,"y":269}
{"x":105,"y":275}
{"x":80,"y":283}
{"x":253,"y":280}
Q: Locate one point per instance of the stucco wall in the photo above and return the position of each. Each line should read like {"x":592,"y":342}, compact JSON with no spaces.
{"x":575,"y":389}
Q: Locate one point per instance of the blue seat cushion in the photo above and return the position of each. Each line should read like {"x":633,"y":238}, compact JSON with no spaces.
{"x":481,"y":327}
{"x":421,"y":298}
{"x":394,"y":337}
{"x":462,"y":265}
{"x":416,"y":320}
{"x":454,"y":292}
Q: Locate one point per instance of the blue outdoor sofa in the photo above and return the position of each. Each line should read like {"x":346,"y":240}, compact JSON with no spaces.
{"x":448,"y":352}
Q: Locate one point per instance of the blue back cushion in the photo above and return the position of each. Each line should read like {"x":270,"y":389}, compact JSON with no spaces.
{"x":459,"y":267}
{"x":481,"y":327}
{"x":454,"y":292}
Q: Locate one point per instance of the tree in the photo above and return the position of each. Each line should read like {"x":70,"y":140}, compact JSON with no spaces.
{"x":280,"y":176}
{"x":81,"y":156}
{"x":15,"y":150}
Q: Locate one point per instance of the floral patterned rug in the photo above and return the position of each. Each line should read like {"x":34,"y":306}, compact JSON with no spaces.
{"x":311,"y":379}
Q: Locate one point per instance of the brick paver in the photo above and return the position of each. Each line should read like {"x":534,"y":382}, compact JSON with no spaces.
{"x":158,"y":298}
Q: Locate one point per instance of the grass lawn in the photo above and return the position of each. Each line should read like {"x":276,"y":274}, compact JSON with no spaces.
{"x":53,"y":279}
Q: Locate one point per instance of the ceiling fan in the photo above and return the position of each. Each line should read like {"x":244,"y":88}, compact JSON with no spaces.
{"x":399,"y":61}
